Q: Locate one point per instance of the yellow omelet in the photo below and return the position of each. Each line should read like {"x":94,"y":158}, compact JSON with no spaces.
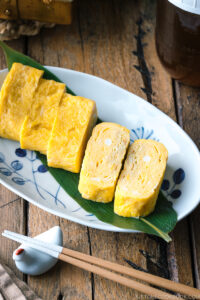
{"x":37,"y":126}
{"x":102,"y":162}
{"x":139,"y":183}
{"x":72,"y":127}
{"x":16,"y":98}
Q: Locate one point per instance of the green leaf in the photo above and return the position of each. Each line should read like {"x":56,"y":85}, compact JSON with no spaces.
{"x":159,"y":223}
{"x":15,"y":56}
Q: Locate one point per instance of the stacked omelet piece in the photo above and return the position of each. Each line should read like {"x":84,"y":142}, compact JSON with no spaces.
{"x":134,"y":189}
{"x":43,"y":117}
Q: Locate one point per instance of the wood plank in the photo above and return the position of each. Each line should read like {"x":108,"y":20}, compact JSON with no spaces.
{"x":178,"y":260}
{"x":159,"y":91}
{"x":188,"y":107}
{"x":75,"y":283}
{"x":12,"y":207}
{"x":62,"y":47}
{"x":12,"y":216}
{"x":118,"y":45}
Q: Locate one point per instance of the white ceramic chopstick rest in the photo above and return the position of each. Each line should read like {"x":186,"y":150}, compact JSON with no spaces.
{"x":33,"y":262}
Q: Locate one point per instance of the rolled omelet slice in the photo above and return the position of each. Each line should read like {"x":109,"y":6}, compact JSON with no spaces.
{"x":72,"y":127}
{"x":102,"y":162}
{"x":37,"y":126}
{"x":16,"y":97}
{"x":139,"y":182}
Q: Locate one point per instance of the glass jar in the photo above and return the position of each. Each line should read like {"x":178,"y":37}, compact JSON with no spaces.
{"x":178,"y":41}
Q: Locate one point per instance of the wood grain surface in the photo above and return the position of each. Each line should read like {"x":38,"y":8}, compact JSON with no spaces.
{"x":12,"y":207}
{"x":113,"y":40}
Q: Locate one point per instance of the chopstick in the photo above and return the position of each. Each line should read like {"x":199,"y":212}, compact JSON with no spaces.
{"x":91,"y":268}
{"x":85,"y":262}
{"x":149,"y":278}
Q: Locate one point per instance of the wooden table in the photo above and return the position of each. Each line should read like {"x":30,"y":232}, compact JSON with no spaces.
{"x":113,"y":40}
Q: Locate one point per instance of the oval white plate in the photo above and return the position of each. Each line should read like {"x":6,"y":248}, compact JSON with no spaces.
{"x":23,"y":173}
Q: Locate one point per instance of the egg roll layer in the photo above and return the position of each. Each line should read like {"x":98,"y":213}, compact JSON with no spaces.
{"x":139,"y":182}
{"x":103,"y":161}
{"x":37,"y":126}
{"x":72,"y":127}
{"x":16,"y":98}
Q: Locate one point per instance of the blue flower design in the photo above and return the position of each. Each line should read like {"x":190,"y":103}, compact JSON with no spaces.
{"x":2,"y":157}
{"x":142,"y":133}
{"x":16,"y":166}
{"x":165,"y":185}
{"x":175,"y":194}
{"x":42,"y":169}
{"x":18,"y":180}
{"x":178,"y":177}
{"x":20,"y":152}
{"x":5,"y":171}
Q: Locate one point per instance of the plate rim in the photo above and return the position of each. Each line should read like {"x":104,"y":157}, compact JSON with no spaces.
{"x":106,"y":226}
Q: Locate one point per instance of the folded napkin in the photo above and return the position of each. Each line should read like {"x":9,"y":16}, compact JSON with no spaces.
{"x":12,"y":288}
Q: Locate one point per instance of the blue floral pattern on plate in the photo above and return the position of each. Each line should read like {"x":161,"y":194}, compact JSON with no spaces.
{"x":17,"y":165}
{"x":169,"y":187}
{"x":142,"y":133}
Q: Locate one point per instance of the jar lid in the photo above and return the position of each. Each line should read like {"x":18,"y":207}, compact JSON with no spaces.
{"x":192,"y":6}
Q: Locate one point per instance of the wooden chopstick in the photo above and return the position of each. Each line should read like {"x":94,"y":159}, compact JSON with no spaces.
{"x":79,"y":259}
{"x":145,"y":289}
{"x":149,"y":278}
{"x":140,"y":287}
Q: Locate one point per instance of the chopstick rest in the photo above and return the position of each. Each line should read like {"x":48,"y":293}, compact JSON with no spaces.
{"x":34,"y":262}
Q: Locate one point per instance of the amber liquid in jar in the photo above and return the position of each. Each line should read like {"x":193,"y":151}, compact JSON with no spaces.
{"x":178,"y":42}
